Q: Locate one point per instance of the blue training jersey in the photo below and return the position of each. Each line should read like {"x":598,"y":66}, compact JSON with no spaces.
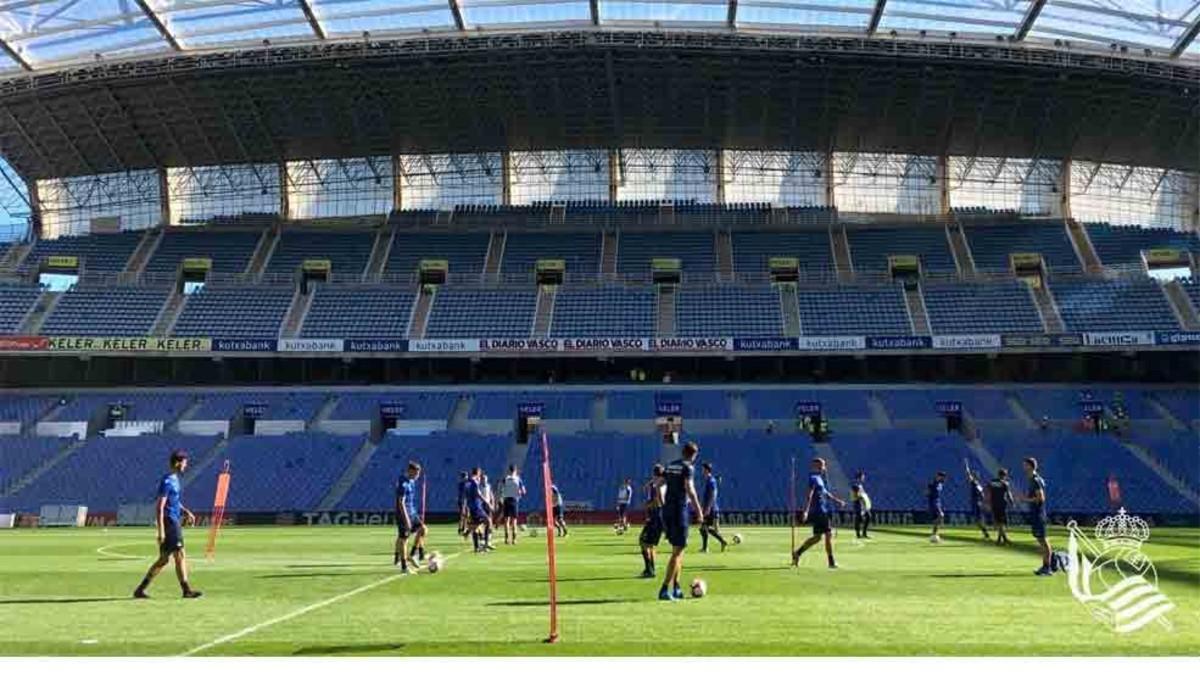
{"x":710,"y":495}
{"x":976,"y":493}
{"x":935,"y":493}
{"x":462,"y":491}
{"x":1035,"y":508}
{"x":406,"y":491}
{"x":679,"y":476}
{"x":169,"y":487}
{"x":474,"y":497}
{"x":821,"y":502}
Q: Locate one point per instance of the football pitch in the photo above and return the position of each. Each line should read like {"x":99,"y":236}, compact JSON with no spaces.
{"x":284,"y":591}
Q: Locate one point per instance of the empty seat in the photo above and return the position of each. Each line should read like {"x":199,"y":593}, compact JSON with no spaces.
{"x":613,"y":311}
{"x":106,"y":311}
{"x":1117,"y":305}
{"x":467,"y":313}
{"x":738,"y":311}
{"x":1004,"y":307}
{"x":234,"y":312}
{"x":358,"y":312}
{"x":854,"y":310}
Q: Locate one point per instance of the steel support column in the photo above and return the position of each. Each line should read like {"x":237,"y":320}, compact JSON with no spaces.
{"x":397,"y":180}
{"x":942,"y":176}
{"x":1064,"y":188}
{"x":164,"y":196}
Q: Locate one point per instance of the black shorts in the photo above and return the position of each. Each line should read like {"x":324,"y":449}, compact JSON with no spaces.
{"x":977,"y":511}
{"x":478,"y":518}
{"x":935,"y":511}
{"x":510,"y":508}
{"x":559,"y":514}
{"x":172,"y":537}
{"x":1037,"y":525}
{"x":713,"y":521}
{"x":676,"y":527}
{"x":999,"y":516}
{"x":820,"y":523}
{"x":415,"y":524}
{"x":652,"y":530}
{"x":621,"y":510}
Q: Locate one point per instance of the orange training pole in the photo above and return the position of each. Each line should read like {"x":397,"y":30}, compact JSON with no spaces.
{"x":218,"y":511}
{"x":547,"y":481}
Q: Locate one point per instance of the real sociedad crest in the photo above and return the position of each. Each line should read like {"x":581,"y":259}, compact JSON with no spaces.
{"x":1113,"y":578}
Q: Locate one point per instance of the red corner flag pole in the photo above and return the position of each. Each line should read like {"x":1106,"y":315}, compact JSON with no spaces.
{"x":792,"y":504}
{"x":547,"y":481}
{"x":218,"y":511}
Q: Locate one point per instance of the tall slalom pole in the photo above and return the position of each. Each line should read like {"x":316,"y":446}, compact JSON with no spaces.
{"x":792,"y":504}
{"x":547,"y":481}
{"x":422,"y":496}
{"x":218,"y":512}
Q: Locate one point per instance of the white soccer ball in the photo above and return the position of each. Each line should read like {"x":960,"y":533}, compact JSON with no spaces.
{"x":934,"y":539}
{"x":737,"y":538}
{"x":533,"y":532}
{"x":435,"y":563}
{"x":699,"y":588}
{"x":524,"y":528}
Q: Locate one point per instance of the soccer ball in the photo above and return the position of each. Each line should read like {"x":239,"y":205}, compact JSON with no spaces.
{"x":435,"y":563}
{"x":533,"y":532}
{"x":737,"y":538}
{"x":934,"y":539}
{"x":524,"y":528}
{"x":699,"y":588}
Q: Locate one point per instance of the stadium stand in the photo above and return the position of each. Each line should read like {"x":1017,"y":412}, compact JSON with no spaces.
{"x":96,"y":252}
{"x":1076,"y":468}
{"x":15,"y":303}
{"x":20,"y":455}
{"x":107,"y":472}
{"x":1063,"y":403}
{"x":358,"y":311}
{"x":870,"y":248}
{"x":1191,"y":286}
{"x":1183,"y":404}
{"x":695,"y":251}
{"x":469,"y":313}
{"x":780,"y":404}
{"x":752,"y":251}
{"x":106,"y":311}
{"x":992,"y":244}
{"x":588,"y":468}
{"x":234,"y":312}
{"x":464,"y":252}
{"x":433,"y":405}
{"x":968,"y":308}
{"x":347,"y":252}
{"x":580,"y":251}
{"x":751,"y":481}
{"x":558,"y":405}
{"x":739,"y":311}
{"x":442,"y":455}
{"x":281,"y":473}
{"x":24,"y":409}
{"x":280,"y":406}
{"x":917,"y":404}
{"x":1117,"y":305}
{"x":1123,"y":245}
{"x":854,"y":310}
{"x":697,"y":404}
{"x":142,"y":406}
{"x":901,"y":462}
{"x":608,"y":311}
{"x":1178,"y":451}
{"x":230,"y":251}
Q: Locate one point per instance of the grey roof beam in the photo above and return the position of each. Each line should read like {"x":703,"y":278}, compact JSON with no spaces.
{"x":15,"y":55}
{"x":159,"y":25}
{"x":731,"y":15}
{"x":1186,"y":39}
{"x":456,"y":10}
{"x":594,"y":6}
{"x":1031,"y":15}
{"x":876,"y":16}
{"x":312,"y":19}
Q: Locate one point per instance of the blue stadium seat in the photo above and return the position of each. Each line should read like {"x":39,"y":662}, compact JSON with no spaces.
{"x":431,"y":405}
{"x":780,"y":404}
{"x":358,"y":312}
{"x":20,"y":455}
{"x":580,"y":251}
{"x":467,"y":313}
{"x":230,"y":251}
{"x":561,"y":405}
{"x":696,"y":252}
{"x":96,"y":252}
{"x":607,"y":311}
{"x":752,"y":251}
{"x":992,"y":244}
{"x":15,"y":303}
{"x":854,"y":310}
{"x":347,"y":252}
{"x":739,"y":311}
{"x":870,"y":248}
{"x":1116,"y":305}
{"x":900,"y":463}
{"x":234,"y":312}
{"x":588,"y":468}
{"x":280,"y":406}
{"x":465,"y":252}
{"x":116,"y":311}
{"x":967,"y":308}
{"x":1124,"y":245}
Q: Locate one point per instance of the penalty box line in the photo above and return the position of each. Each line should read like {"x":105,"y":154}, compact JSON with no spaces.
{"x":297,"y":613}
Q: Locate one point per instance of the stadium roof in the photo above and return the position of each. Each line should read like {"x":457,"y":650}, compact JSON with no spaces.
{"x":36,"y":35}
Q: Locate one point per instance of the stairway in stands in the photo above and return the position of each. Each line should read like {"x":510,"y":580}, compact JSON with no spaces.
{"x":169,"y":314}
{"x":1185,"y":312}
{"x":1047,"y":309}
{"x":384,"y":240}
{"x":917,"y":315}
{"x":495,"y":256}
{"x":665,"y":325}
{"x":349,"y":477}
{"x":262,"y":253}
{"x":37,"y":315}
{"x":963,"y":260}
{"x":1083,"y":247}
{"x":144,"y":251}
{"x":724,"y":246}
{"x":841,"y":254}
{"x":547,"y":294}
{"x":294,"y":319}
{"x":24,"y":481}
{"x":420,"y":314}
{"x":789,"y":306}
{"x":608,"y":255}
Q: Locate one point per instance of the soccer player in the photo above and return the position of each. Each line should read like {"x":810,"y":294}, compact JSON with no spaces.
{"x":817,"y":508}
{"x":170,"y":517}
{"x":652,"y":529}
{"x":624,"y":498}
{"x":712,"y":510}
{"x":1000,"y":496}
{"x":408,"y":519}
{"x":479,"y":513}
{"x":933,"y":493}
{"x":1036,"y":498}
{"x":977,"y":501}
{"x":560,"y":516}
{"x":680,"y":493}
{"x":463,"y":515}
{"x":511,"y":491}
{"x":862,"y":505}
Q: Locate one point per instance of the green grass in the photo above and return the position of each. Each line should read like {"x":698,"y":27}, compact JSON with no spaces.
{"x":66,"y":592}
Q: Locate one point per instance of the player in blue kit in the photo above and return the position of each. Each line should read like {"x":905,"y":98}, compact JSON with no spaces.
{"x":652,"y":530}
{"x":712,"y":510}
{"x":1036,"y":498}
{"x":680,"y":494}
{"x":463,"y":516}
{"x":933,"y":494}
{"x":976,"y":489}
{"x":478,"y":513}
{"x":818,"y":509}
{"x":170,"y":517}
{"x":408,"y":519}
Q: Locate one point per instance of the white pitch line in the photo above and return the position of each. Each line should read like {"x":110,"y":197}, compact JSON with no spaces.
{"x":122,"y":556}
{"x":299,"y":612}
